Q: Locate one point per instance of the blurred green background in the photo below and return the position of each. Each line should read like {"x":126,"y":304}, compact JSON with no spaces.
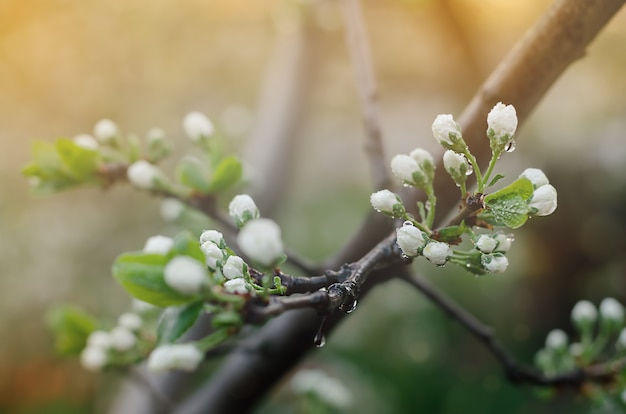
{"x":64,"y":64}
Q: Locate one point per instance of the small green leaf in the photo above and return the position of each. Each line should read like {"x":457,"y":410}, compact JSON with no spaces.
{"x":193,"y":174}
{"x":451,"y":234}
{"x":185,"y":244}
{"x":80,"y":163}
{"x":495,"y":179}
{"x":142,"y":276}
{"x":508,"y":206}
{"x":175,"y":321}
{"x":227,"y":319}
{"x":71,"y":327}
{"x":226,"y":174}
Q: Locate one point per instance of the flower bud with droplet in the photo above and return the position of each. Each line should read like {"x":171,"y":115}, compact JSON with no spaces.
{"x":437,"y":252}
{"x":543,"y":201}
{"x":388,"y":203}
{"x":243,"y":209}
{"x":456,"y":166}
{"x":410,"y":240}
{"x":501,"y":126}
{"x":448,"y":133}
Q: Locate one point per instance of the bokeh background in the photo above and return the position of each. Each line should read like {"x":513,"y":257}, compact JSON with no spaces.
{"x":64,"y":64}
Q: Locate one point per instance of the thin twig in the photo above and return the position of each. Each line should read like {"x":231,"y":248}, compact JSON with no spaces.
{"x":359,"y":49}
{"x":516,"y":372}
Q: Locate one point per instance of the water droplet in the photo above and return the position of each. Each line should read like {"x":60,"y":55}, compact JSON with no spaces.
{"x":378,"y":210}
{"x":320,"y":341}
{"x":404,"y":256}
{"x":510,"y":147}
{"x":407,"y":223}
{"x":470,"y":169}
{"x":350,"y":308}
{"x":406,"y":185}
{"x":427,"y":205}
{"x":468,"y":265}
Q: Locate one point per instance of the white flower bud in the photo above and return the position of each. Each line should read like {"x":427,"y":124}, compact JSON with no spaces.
{"x":212,"y":253}
{"x":621,"y":340}
{"x":155,"y":135}
{"x":404,"y":166}
{"x":130,"y":321}
{"x":504,"y":242}
{"x":158,"y":245}
{"x":384,"y":201}
{"x":536,"y":176}
{"x":86,"y":141}
{"x":501,"y":126}
{"x":410,"y":239}
{"x":242,"y":209}
{"x":234,"y":267}
{"x":584,"y":313}
{"x":448,"y":133}
{"x":185,"y":275}
{"x":105,"y":130}
{"x":611,"y":310}
{"x":422,"y":157}
{"x":260,"y":240}
{"x":142,"y":307}
{"x":455,"y":164}
{"x":122,"y":339}
{"x":544,"y":201}
{"x":171,"y":209}
{"x":494,"y":263}
{"x":486,"y":243}
{"x":197,"y":125}
{"x":213,"y":236}
{"x":437,"y":252}
{"x":93,"y":358}
{"x":237,"y":286}
{"x":142,"y":174}
{"x":576,"y":349}
{"x":556,"y":339}
{"x":184,"y":357}
{"x":99,"y":339}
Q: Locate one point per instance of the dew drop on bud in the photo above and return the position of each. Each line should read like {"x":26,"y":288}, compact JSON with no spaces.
{"x":510,"y":147}
{"x":407,"y":223}
{"x":404,"y":256}
{"x":470,"y":169}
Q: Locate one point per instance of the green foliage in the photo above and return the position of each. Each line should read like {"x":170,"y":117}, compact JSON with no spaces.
{"x":226,"y":174}
{"x":509,"y":206}
{"x":175,"y":321}
{"x":191,"y":173}
{"x":71,"y":327}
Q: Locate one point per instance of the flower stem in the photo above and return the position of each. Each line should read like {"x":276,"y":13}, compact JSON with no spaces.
{"x":479,"y":177}
{"x":492,"y":164}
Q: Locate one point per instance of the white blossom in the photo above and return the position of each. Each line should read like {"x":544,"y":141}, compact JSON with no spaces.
{"x":611,"y":310}
{"x":122,"y":339}
{"x":155,"y":135}
{"x":105,"y":130}
{"x":556,"y":339}
{"x":158,"y":245}
{"x":501,"y":123}
{"x":576,"y":349}
{"x":260,"y":240}
{"x":448,"y":133}
{"x":422,"y":156}
{"x":171,"y":209}
{"x":404,"y":166}
{"x":212,"y":253}
{"x":242,"y":208}
{"x":584,"y":313}
{"x":213,"y":236}
{"x":238,"y":286}
{"x":544,"y":200}
{"x":197,"y":125}
{"x":437,"y":252}
{"x":234,"y":267}
{"x":93,"y":358}
{"x":142,"y":174}
{"x":86,"y":141}
{"x":621,"y":340}
{"x":99,"y":339}
{"x":494,"y":263}
{"x":486,"y":243}
{"x":185,"y":275}
{"x":184,"y":357}
{"x":130,"y":321}
{"x":455,"y":165}
{"x":504,"y":242}
{"x":536,"y":176}
{"x":384,"y":201}
{"x":410,"y":239}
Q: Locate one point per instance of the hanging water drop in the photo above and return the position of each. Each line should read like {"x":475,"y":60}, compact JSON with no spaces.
{"x":470,"y":169}
{"x":405,"y":257}
{"x":510,"y":147}
{"x":320,"y":341}
{"x":407,"y":223}
{"x":351,"y":308}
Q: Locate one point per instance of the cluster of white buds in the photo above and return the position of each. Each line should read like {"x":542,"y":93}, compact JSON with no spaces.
{"x":492,"y":249}
{"x":104,"y":346}
{"x":416,"y":169}
{"x":413,"y":242}
{"x":183,"y":357}
{"x":144,"y":175}
{"x":544,"y":199}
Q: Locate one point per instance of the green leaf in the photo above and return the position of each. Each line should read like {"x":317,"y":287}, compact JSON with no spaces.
{"x":495,"y":179}
{"x":227,"y":319}
{"x":175,"y":321}
{"x":193,"y":174}
{"x":71,"y":327}
{"x":80,"y":163}
{"x":451,"y":234}
{"x":508,"y":206}
{"x":142,"y":276}
{"x":226,"y":174}
{"x":185,"y":244}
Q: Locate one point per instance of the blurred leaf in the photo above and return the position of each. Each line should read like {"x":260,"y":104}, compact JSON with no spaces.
{"x":71,"y":327}
{"x":80,"y":163}
{"x":186,"y":244}
{"x":142,"y":276}
{"x":509,"y":206}
{"x":175,"y":321}
{"x":193,"y":174}
{"x":227,"y":319}
{"x":226,"y":174}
